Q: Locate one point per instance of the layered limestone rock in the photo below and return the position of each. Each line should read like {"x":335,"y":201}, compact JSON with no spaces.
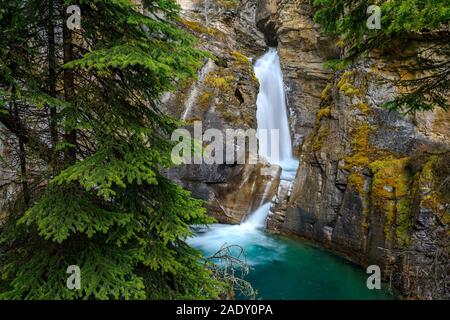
{"x":372,"y":184}
{"x":231,"y":191}
{"x":224,"y":97}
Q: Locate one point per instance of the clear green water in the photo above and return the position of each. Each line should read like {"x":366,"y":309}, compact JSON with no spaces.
{"x":282,"y":268}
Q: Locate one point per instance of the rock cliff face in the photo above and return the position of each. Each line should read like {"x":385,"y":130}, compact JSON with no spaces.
{"x":303,"y":50}
{"x":372,"y":185}
{"x":224,"y":97}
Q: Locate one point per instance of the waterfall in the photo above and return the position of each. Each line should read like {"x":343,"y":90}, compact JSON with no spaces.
{"x":281,"y":268}
{"x":248,"y":235}
{"x":272,"y":113}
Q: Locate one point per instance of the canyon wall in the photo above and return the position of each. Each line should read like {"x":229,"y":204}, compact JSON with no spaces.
{"x":373,"y":184}
{"x":224,"y":97}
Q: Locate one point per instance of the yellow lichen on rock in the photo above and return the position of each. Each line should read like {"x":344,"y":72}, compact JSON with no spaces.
{"x":326,"y":92}
{"x":361,"y":148}
{"x":390,"y":192}
{"x":363,"y":107}
{"x":204,"y":101}
{"x":346,"y":86}
{"x":324,"y":113}
{"x":240,"y":58}
{"x":321,"y":137}
{"x":219,"y":81}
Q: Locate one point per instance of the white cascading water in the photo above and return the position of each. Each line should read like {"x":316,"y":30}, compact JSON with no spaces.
{"x":271,"y":114}
{"x":248,"y":235}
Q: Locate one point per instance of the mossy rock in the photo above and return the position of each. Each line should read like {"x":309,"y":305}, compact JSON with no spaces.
{"x":346,"y":86}
{"x":324,"y":113}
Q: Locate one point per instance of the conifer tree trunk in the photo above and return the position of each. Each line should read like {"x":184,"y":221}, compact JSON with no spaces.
{"x":69,"y":88}
{"x":52,"y":75}
{"x":22,"y":154}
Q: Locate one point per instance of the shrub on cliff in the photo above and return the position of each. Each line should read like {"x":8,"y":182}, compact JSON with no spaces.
{"x":402,"y":21}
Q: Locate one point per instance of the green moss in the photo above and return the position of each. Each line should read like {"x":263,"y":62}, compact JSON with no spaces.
{"x":229,"y":4}
{"x":433,"y":177}
{"x":405,"y":221}
{"x":389,"y":191}
{"x":198,"y":27}
{"x":194,"y":26}
{"x":230,"y":117}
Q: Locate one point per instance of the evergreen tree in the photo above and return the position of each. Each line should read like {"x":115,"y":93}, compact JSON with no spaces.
{"x":402,"y":21}
{"x":83,"y":104}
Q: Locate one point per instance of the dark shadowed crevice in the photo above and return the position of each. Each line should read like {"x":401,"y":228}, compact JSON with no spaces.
{"x":266,"y":17}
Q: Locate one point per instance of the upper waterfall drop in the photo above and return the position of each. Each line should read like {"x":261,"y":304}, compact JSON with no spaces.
{"x":272,"y":112}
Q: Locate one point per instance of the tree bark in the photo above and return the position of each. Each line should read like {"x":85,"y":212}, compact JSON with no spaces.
{"x":52,"y":75}
{"x":70,"y":135}
{"x":22,"y":154}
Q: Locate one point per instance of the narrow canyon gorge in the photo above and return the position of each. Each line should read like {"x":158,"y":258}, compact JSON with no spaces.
{"x":355,"y":176}
{"x":371,"y":183}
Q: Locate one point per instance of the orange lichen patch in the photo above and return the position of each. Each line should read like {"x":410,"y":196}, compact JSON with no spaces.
{"x":361,"y":139}
{"x":406,"y":75}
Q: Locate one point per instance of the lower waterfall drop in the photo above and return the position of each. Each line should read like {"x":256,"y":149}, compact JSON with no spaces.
{"x":282,"y":268}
